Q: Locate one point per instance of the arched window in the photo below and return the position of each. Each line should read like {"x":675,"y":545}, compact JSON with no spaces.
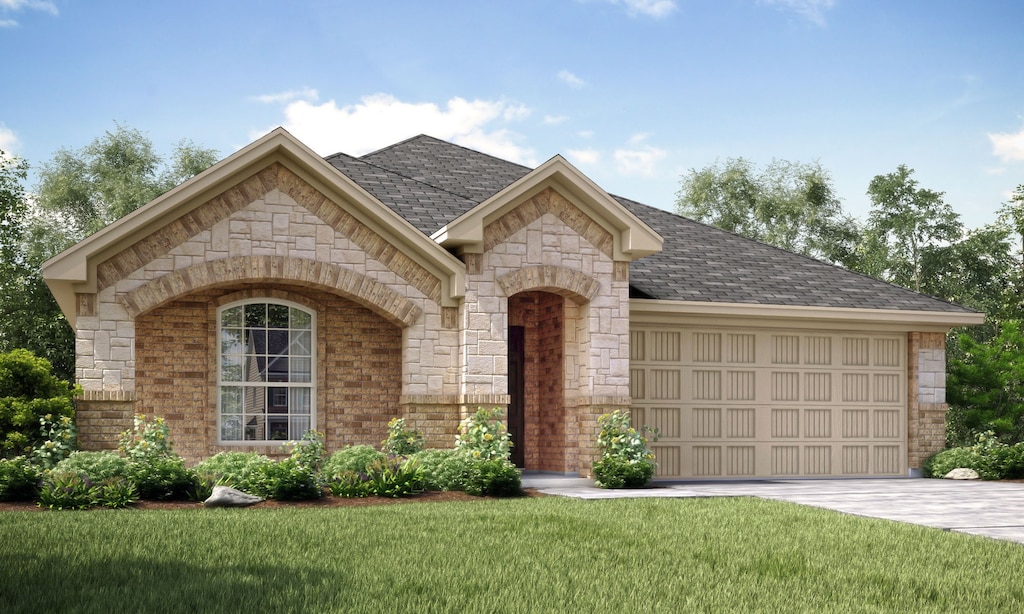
{"x":265,"y":375}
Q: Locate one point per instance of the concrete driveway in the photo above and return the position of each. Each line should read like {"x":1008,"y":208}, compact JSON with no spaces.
{"x":992,"y":509}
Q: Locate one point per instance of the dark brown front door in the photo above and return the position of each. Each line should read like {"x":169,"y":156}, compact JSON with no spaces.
{"x":516,"y":391}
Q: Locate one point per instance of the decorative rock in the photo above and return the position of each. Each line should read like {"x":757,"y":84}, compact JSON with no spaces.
{"x":225,"y":496}
{"x":963,"y":474}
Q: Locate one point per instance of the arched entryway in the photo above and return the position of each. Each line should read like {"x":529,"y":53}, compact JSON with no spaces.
{"x":538,"y":421}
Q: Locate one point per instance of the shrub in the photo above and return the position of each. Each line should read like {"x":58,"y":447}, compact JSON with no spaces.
{"x":58,"y":441}
{"x":97,"y":466}
{"x":116,"y":492}
{"x":389,"y":476}
{"x":28,"y":392}
{"x":400,"y":440}
{"x":19,"y":479}
{"x":443,"y":469}
{"x":484,"y":436}
{"x":308,"y":452}
{"x":626,"y":461}
{"x":354,"y":459}
{"x":493,"y":477}
{"x":146,"y":440}
{"x":67,"y":490}
{"x":241,"y":470}
{"x":163,"y":479}
{"x":287,"y":480}
{"x":992,"y":459}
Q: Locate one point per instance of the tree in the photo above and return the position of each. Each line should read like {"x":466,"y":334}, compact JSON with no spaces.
{"x":908,"y":225}
{"x":787,"y":204}
{"x":985,"y":388}
{"x":79,"y":192}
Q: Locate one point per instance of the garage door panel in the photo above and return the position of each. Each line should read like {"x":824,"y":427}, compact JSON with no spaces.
{"x":763,"y":403}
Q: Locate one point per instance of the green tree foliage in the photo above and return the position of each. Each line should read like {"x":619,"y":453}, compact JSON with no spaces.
{"x":79,"y":192}
{"x":786,"y":204}
{"x":29,"y":390}
{"x":985,"y":387}
{"x":907,"y":227}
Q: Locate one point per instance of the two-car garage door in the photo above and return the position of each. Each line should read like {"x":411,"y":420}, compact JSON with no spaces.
{"x":734,"y":403}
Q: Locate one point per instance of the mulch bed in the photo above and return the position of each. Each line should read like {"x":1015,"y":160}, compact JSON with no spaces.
{"x":323,"y":502}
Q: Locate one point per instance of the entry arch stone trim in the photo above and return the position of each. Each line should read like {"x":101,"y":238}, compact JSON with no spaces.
{"x":567,"y":282}
{"x":323,"y":276}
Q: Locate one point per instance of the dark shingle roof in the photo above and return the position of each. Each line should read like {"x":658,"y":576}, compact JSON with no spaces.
{"x":431,"y":182}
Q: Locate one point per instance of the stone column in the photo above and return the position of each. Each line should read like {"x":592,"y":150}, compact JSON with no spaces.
{"x":926,"y":397}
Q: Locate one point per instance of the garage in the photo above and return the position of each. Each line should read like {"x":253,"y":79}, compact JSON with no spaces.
{"x":746,"y":402}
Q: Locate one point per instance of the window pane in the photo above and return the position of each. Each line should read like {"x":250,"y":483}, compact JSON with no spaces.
{"x":277,"y":343}
{"x":231,"y":317}
{"x":301,"y":370}
{"x":277,"y":400}
{"x":277,"y":316}
{"x":231,"y":400}
{"x":255,"y":369}
{"x":300,"y":319}
{"x":231,"y":428}
{"x":256,"y":315}
{"x":254,"y":399}
{"x":231,"y":368}
{"x":299,"y":426}
{"x":299,"y":401}
{"x":301,"y":343}
{"x":277,"y":369}
{"x":255,"y":428}
{"x":231,"y":341}
{"x":256,"y":341}
{"x":277,"y":427}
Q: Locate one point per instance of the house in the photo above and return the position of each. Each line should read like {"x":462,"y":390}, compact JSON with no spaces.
{"x":279,"y":291}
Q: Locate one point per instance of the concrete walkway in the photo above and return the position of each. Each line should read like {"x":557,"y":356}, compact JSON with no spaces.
{"x":992,"y":509}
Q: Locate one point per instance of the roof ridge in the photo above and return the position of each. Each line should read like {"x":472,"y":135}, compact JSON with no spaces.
{"x":402,"y":175}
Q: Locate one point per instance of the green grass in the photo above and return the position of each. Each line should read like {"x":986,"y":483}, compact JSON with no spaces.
{"x":519,"y":555}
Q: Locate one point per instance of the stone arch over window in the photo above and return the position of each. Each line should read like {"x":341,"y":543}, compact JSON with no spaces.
{"x":310,"y":273}
{"x":577,"y":285}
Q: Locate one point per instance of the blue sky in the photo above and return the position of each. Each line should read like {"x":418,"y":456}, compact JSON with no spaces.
{"x":633,"y":92}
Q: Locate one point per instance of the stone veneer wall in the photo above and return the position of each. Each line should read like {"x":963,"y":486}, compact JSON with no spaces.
{"x":358,"y":368}
{"x":926,"y":396}
{"x":276,"y":226}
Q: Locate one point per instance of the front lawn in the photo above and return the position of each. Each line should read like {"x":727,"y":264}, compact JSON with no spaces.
{"x":517,"y":555}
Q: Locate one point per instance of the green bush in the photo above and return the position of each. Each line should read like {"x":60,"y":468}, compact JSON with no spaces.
{"x":116,"y":492}
{"x":386,"y":477}
{"x":67,"y":490}
{"x":97,"y":466}
{"x":19,"y":479}
{"x":483,"y":435}
{"x":287,"y":480}
{"x":58,"y":440}
{"x":350,"y":485}
{"x":309,"y":452}
{"x":989,"y":457}
{"x":616,"y":472}
{"x":443,"y":469}
{"x":241,"y":470}
{"x":626,"y":461}
{"x":401,"y":441}
{"x":355,"y":459}
{"x":163,"y":479}
{"x":985,"y":386}
{"x":28,"y":392}
{"x":494,"y":477}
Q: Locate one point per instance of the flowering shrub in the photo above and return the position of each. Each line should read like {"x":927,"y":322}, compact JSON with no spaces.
{"x":443,"y":469}
{"x":154,"y":469}
{"x":146,"y":440}
{"x":400,"y":440}
{"x":309,"y":452}
{"x":58,"y":441}
{"x":67,"y":490}
{"x":97,"y":466}
{"x":351,"y":459}
{"x":29,"y":392}
{"x":626,"y":461}
{"x":484,"y":436}
{"x":495,"y":477}
{"x":385,"y":477}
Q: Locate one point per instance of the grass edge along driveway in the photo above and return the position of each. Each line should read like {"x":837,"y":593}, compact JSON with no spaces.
{"x":520,"y":555}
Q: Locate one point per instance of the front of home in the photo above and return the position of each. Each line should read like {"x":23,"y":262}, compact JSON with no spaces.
{"x":279,"y":291}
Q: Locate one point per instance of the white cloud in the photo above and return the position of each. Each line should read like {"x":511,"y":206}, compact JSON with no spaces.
{"x":379,"y":120}
{"x":16,"y":5}
{"x":306,"y":93}
{"x":649,"y":8}
{"x":8,"y":140}
{"x":571,"y":80}
{"x":583,"y":156}
{"x":585,"y":134}
{"x":811,"y":10}
{"x":638,"y":159}
{"x":553,"y":120}
{"x":1008,"y":147}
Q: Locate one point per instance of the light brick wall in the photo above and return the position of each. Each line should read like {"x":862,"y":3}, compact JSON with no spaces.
{"x":926,"y":398}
